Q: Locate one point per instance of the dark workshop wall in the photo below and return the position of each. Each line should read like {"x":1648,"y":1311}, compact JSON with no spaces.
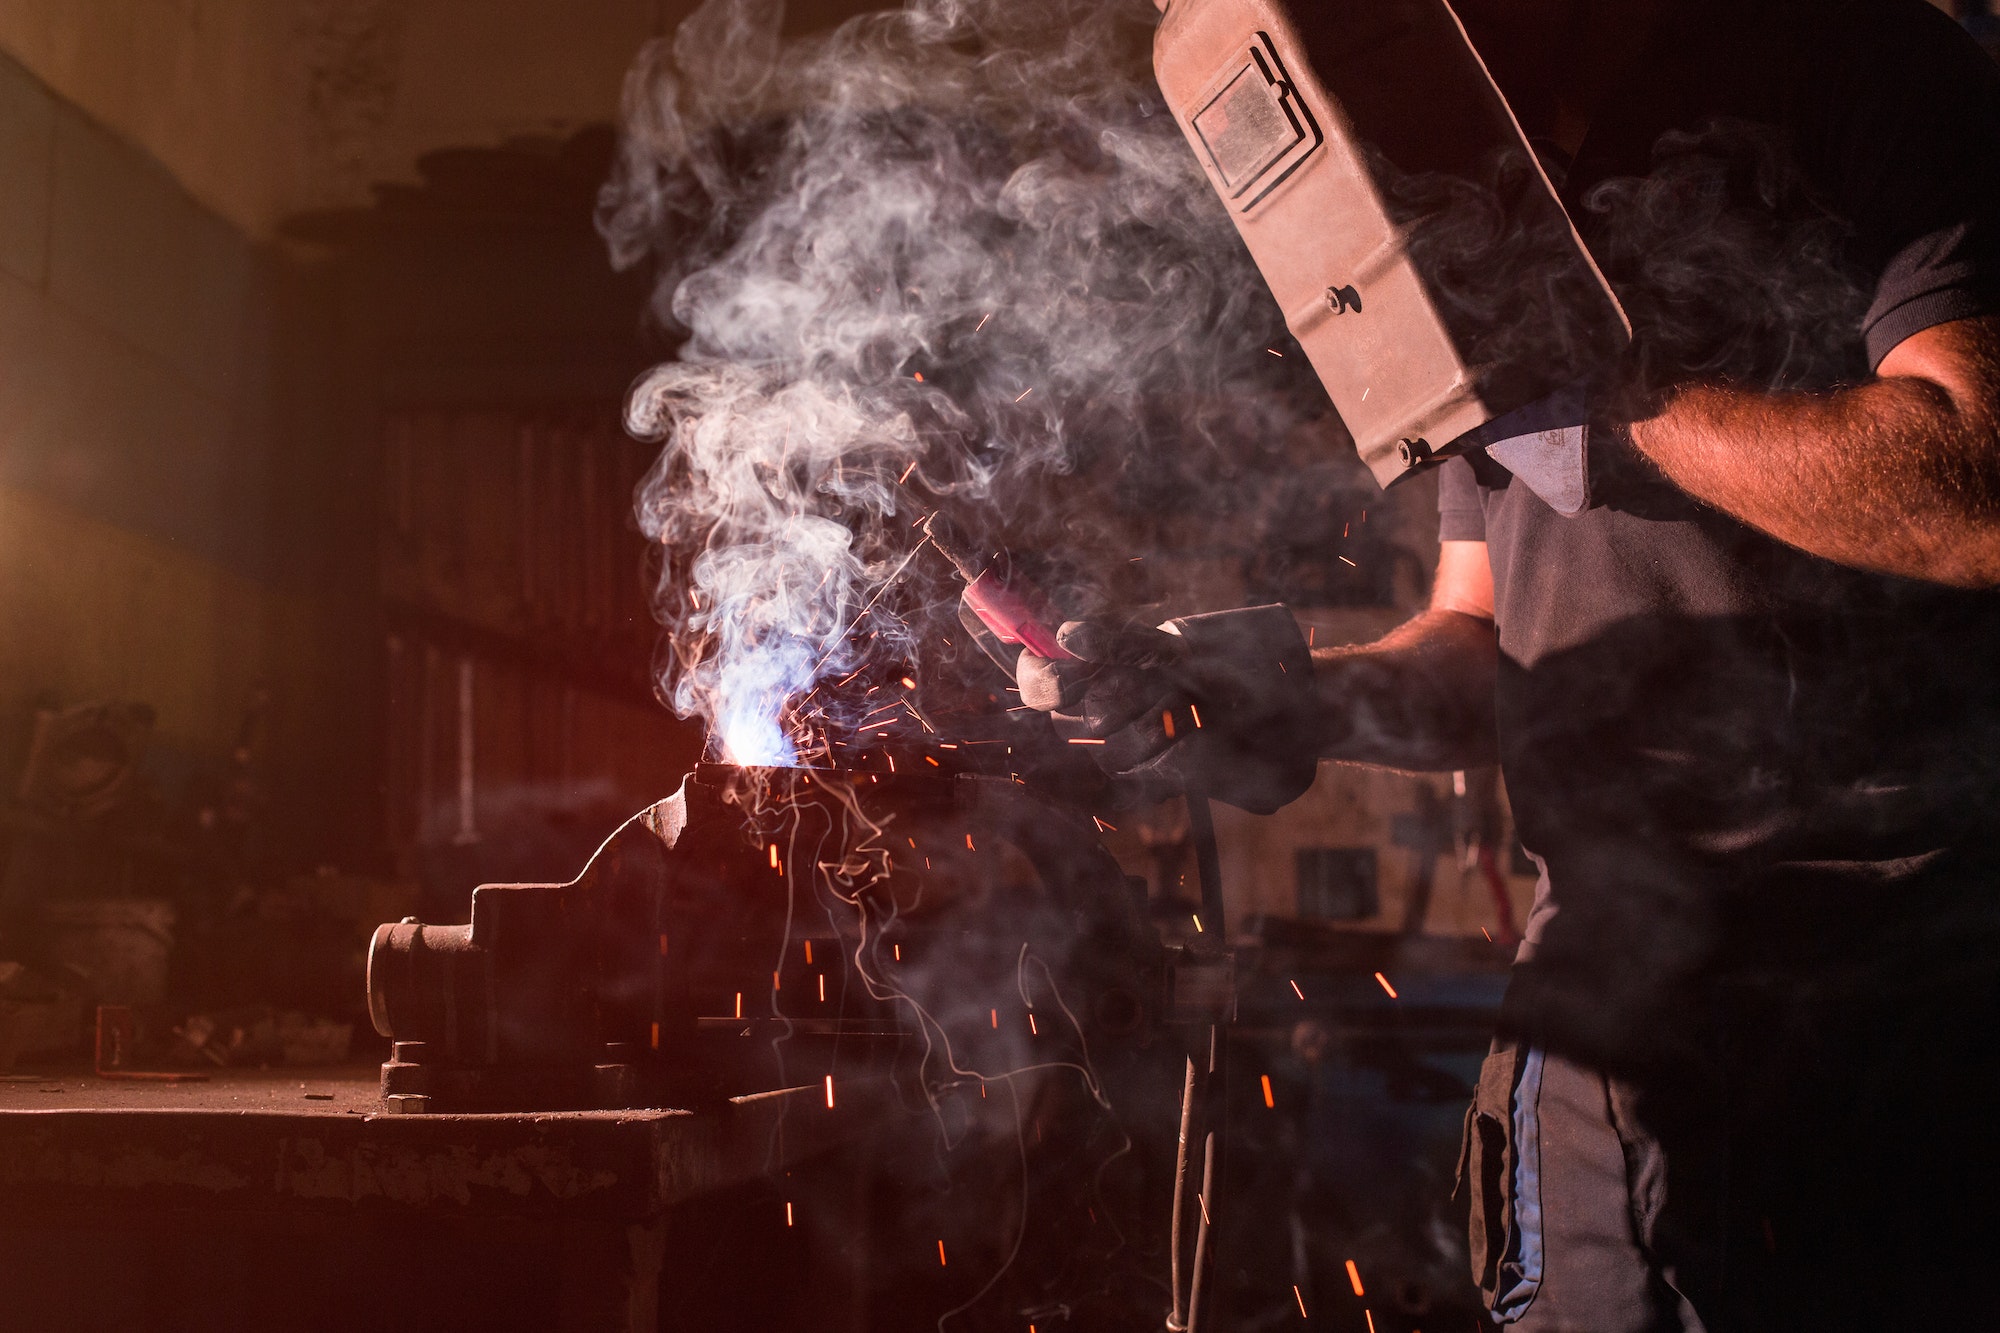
{"x":486,"y":347}
{"x":169,"y":492}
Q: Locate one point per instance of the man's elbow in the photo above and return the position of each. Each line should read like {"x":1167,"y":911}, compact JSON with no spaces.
{"x":1955,"y":371}
{"x":1964,"y":553}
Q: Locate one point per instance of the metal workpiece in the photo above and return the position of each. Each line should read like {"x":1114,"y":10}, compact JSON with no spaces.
{"x":772,"y":928}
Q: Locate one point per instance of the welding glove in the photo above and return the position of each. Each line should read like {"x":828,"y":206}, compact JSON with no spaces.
{"x":1220,"y":705}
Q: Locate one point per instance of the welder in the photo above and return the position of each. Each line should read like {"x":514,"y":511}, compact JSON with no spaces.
{"x":1746,"y":696}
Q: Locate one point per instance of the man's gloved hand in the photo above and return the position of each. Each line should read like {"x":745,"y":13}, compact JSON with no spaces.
{"x":1221,"y":704}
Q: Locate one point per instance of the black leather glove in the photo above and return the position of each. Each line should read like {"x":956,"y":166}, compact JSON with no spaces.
{"x":1220,"y":704}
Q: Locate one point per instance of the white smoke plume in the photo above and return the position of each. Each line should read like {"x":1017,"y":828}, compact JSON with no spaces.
{"x":957,"y":255}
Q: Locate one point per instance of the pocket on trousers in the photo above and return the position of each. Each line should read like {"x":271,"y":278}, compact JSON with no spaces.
{"x":1500,"y":1172}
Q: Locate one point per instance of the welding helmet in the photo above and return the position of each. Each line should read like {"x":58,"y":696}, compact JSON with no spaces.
{"x":1418,"y":251}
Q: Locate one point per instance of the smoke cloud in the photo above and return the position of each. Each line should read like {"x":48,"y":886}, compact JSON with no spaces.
{"x":957,"y":256}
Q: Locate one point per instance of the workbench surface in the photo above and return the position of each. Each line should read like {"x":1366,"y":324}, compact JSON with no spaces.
{"x":347,"y":1090}
{"x":322,"y":1138}
{"x":289,"y":1198}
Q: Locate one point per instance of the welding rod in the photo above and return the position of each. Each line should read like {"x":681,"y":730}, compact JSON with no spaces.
{"x":1177,"y":1319}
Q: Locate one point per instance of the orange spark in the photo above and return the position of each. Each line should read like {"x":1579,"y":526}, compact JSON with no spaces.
{"x":809,"y":951}
{"x":656,"y":1036}
{"x":822,"y":988}
{"x":1084,"y":740}
{"x":1300,"y":1299}
{"x":940,"y":1254}
{"x":982,"y":321}
{"x":1032,"y":1029}
{"x":739,"y":1004}
{"x":1275,"y":352}
{"x":1270,"y":1102}
{"x":1104,"y":826}
{"x":1197,"y":923}
{"x":920,"y":377}
{"x":899,"y":953}
{"x":788,"y":1212}
{"x":1167,"y":721}
{"x":829,"y":1092}
{"x":968,"y":843}
{"x":1196,"y":712}
{"x":1025,"y":392}
{"x":663,"y":946}
{"x":1354,"y":1276}
{"x":1385,"y":985}
{"x":1345,"y":561}
{"x":996,"y":1018}
{"x":911,"y":468}
{"x":932,"y":762}
{"x":774,"y":856}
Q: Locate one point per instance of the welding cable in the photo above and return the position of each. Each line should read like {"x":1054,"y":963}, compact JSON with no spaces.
{"x":1177,"y":1319}
{"x":1207,"y":1199}
{"x":1208,"y":872}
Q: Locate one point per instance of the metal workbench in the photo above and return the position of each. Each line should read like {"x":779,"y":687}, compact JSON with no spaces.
{"x":268,"y":1200}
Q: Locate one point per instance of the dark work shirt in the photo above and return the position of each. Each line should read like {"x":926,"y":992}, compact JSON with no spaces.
{"x":1723,"y":749}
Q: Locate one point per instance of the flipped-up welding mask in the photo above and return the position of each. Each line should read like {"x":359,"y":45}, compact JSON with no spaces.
{"x":1420,"y":255}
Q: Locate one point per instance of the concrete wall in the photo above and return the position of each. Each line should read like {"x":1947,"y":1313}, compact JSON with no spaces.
{"x":150,"y":548}
{"x":263,"y":108}
{"x":266,"y":108}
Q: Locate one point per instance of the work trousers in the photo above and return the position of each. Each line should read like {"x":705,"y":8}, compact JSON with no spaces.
{"x":1832,"y":1167}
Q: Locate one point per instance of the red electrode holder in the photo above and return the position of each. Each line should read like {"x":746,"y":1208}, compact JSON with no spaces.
{"x":1009,"y":605}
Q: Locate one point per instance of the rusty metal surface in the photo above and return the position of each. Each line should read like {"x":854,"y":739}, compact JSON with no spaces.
{"x":263,"y":1140}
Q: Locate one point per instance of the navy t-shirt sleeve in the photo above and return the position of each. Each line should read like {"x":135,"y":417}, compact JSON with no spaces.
{"x":1460,"y":516}
{"x":1915,"y":145}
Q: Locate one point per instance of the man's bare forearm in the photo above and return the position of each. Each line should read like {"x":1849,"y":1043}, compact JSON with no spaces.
{"x":1420,"y":698}
{"x":1900,"y":475}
